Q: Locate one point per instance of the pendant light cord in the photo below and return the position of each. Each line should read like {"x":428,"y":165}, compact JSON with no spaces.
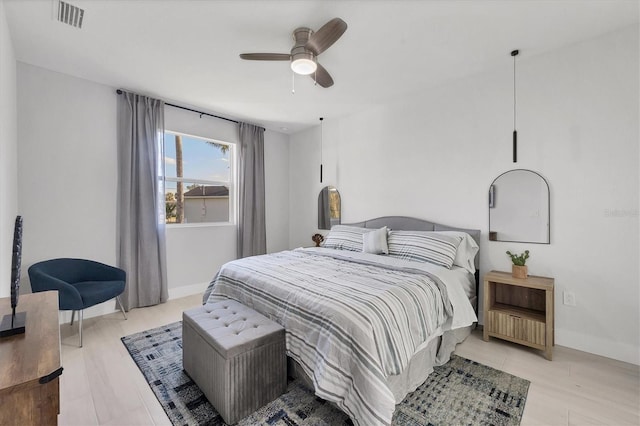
{"x":514,"y":89}
{"x":321,"y":140}
{"x":514,"y":53}
{"x":321,"y":137}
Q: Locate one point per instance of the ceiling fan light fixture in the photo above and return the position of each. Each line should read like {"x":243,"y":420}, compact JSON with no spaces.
{"x":303,"y":63}
{"x":303,"y":66}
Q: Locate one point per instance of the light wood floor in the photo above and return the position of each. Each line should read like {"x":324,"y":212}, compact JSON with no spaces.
{"x":102,"y":385}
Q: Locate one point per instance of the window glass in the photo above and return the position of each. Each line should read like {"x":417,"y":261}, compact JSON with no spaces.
{"x":198,"y":179}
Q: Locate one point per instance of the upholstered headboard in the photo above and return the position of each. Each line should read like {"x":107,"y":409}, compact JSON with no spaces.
{"x":405,"y":223}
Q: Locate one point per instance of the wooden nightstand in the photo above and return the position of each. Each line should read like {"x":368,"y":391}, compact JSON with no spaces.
{"x":519,"y":310}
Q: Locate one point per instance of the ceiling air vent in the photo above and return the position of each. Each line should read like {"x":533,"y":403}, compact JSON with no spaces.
{"x":70,"y":14}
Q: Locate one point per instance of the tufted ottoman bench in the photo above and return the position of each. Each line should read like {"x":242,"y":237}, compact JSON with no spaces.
{"x":235,"y":355}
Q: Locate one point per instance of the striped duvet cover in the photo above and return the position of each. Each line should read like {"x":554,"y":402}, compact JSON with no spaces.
{"x":351,"y":321}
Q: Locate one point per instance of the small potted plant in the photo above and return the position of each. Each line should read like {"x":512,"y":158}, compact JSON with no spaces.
{"x":519,"y":269}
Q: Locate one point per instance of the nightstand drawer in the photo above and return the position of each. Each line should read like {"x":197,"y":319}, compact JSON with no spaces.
{"x":516,"y":327}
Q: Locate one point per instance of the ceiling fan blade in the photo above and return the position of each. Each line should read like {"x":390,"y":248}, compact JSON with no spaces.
{"x":322,"y":39}
{"x":322,"y":77}
{"x":266,"y":56}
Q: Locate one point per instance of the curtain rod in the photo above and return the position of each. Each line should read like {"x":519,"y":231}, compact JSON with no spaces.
{"x":119,"y":92}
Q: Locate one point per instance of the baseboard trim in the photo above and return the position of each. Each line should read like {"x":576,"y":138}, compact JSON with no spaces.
{"x":187,"y":290}
{"x":594,"y":345}
{"x":110,"y":306}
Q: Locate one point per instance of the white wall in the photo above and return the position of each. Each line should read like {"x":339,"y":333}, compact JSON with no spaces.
{"x":304,"y":163}
{"x":68,"y":184}
{"x":66,"y":168}
{"x":8,"y":152}
{"x":434,"y":154}
{"x":276,"y":165}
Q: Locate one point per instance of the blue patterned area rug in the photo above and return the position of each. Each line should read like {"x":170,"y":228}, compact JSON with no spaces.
{"x":459,"y":392}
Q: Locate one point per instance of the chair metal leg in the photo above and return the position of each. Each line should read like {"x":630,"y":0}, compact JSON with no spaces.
{"x":121,"y":307}
{"x":73,"y":314}
{"x":80,"y":324}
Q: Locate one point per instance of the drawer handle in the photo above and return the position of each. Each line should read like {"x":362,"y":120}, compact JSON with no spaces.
{"x":46,"y":379}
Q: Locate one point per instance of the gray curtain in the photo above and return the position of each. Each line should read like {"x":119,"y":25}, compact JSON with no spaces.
{"x":252,"y":234}
{"x":141,"y":233}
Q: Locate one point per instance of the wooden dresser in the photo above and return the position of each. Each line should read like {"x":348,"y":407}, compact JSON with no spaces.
{"x":29,"y":395}
{"x":519,"y":310}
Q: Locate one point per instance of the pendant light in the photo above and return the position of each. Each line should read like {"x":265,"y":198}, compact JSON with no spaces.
{"x":515,"y":132}
{"x":321,"y":118}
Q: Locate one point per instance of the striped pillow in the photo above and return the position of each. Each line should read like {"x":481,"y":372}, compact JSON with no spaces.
{"x":417,"y":246}
{"x":343,"y":237}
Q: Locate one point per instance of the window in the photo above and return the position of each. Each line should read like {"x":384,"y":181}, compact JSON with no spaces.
{"x":198,"y":177}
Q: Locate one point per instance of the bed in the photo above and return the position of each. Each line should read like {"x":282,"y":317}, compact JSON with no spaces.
{"x":364,"y":329}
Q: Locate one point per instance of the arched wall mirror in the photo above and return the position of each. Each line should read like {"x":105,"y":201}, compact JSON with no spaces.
{"x":328,"y":207}
{"x":519,"y":208}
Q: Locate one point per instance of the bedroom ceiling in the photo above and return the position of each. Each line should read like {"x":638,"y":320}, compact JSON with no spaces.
{"x":187,"y":51}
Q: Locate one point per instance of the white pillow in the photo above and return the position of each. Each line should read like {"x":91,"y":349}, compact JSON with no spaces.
{"x":467,"y":250}
{"x":375,"y":241}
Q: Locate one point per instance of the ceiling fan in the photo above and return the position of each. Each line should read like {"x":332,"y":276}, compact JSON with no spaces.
{"x":308,"y":45}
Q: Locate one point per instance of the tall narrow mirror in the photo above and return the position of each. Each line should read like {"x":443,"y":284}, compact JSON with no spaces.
{"x":519,"y":208}
{"x":328,"y":207}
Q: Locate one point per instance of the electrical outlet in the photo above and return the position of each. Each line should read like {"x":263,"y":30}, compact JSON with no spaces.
{"x":569,"y":298}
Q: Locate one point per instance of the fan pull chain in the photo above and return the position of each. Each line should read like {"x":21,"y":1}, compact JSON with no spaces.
{"x":293,"y":83}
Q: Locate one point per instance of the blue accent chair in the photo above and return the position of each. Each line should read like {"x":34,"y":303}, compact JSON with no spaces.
{"x":80,"y":284}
